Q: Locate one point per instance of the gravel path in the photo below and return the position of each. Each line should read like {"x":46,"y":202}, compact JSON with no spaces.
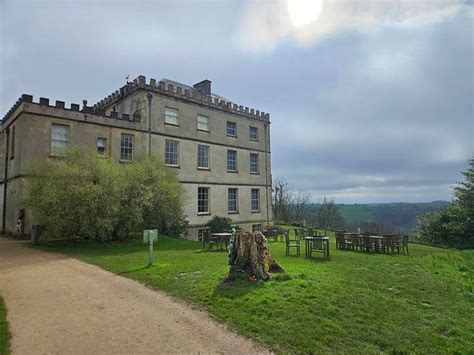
{"x":60,"y":305}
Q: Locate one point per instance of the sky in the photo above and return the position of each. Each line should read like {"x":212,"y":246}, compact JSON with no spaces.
{"x":370,"y":101}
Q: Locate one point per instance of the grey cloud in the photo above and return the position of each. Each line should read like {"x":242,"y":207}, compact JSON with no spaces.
{"x":364,"y":117}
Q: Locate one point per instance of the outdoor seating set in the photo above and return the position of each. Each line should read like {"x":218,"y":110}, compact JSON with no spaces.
{"x":372,"y":243}
{"x":219,"y":240}
{"x":313,"y":242}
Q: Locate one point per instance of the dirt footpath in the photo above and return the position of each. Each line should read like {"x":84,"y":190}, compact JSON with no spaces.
{"x":60,"y":305}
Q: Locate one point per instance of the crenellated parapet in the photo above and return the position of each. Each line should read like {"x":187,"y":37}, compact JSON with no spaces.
{"x":28,"y":99}
{"x":179,"y":92}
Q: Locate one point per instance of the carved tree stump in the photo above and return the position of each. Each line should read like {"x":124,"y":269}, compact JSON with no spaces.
{"x":250,"y":254}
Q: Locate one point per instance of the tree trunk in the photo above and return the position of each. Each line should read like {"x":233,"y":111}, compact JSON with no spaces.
{"x":250,"y":254}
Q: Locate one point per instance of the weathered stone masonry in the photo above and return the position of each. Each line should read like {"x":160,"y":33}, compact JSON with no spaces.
{"x":138,"y":109}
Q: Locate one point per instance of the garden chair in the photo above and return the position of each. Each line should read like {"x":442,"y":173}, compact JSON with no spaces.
{"x":340,"y":243}
{"x":405,"y":243}
{"x":348,"y":241}
{"x":283,"y":233}
{"x":318,"y":246}
{"x":357,"y":242}
{"x":366,"y":243}
{"x":271,"y":234}
{"x":302,"y":233}
{"x":292,"y":243}
{"x":387,"y":243}
{"x":399,"y":242}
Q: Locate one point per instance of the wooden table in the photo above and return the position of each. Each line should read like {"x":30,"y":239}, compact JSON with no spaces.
{"x":308,"y":241}
{"x":217,"y":238}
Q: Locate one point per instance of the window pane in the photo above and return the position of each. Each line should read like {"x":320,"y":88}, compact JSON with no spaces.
{"x":203,"y":199}
{"x":231,"y":128}
{"x":171,"y":152}
{"x":101,"y":145}
{"x":203,"y":123}
{"x":255,"y":199}
{"x":171,"y":115}
{"x":253,"y":133}
{"x":253,"y":163}
{"x":203,"y":156}
{"x":126,"y":147}
{"x":232,"y":200}
{"x":59,"y":139}
{"x":60,"y":132}
{"x":232,"y":160}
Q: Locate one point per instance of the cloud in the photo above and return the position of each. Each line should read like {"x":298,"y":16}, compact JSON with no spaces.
{"x":264,"y":24}
{"x":381,"y":112}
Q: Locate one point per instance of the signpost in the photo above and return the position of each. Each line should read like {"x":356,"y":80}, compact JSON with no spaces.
{"x":150,"y":236}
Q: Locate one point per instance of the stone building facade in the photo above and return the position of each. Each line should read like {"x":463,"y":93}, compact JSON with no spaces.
{"x":221,"y":150}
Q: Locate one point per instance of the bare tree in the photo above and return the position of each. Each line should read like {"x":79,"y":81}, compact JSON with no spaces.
{"x":289,"y":204}
{"x":300,"y":203}
{"x":327,"y":213}
{"x":281,"y":199}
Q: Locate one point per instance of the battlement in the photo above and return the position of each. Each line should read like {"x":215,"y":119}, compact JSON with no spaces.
{"x":180,"y":92}
{"x":73,"y":107}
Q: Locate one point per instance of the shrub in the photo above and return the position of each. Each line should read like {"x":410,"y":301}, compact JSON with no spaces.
{"x":87,"y":197}
{"x":219,"y":224}
{"x":452,"y":226}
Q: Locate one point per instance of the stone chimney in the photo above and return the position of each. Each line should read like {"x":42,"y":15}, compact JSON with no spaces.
{"x":204,"y":87}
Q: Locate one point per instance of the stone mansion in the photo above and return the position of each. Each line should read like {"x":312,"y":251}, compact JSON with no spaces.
{"x":221,"y":149}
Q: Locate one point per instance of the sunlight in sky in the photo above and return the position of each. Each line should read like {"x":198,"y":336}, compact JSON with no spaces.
{"x":303,"y":12}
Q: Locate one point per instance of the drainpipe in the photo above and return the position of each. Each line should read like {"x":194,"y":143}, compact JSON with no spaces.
{"x":150,"y":97}
{"x":266,"y":171}
{"x":4,"y":216}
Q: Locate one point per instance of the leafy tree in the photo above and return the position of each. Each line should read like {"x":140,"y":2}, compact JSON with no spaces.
{"x":453,"y":225}
{"x":219,"y":224}
{"x":87,"y":197}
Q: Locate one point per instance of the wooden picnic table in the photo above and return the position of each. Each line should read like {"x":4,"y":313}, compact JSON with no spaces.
{"x":218,"y":239}
{"x":309,"y":240}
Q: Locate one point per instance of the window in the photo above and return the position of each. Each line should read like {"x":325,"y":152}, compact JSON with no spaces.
{"x":203,"y":123}
{"x":254,"y":163}
{"x":255,"y":200}
{"x":126,"y":147}
{"x":59,"y":139}
{"x":253,"y":133}
{"x":101,"y":145}
{"x":171,"y":115}
{"x":172,"y":152}
{"x":203,"y":199}
{"x":231,"y":129}
{"x":12,"y":154}
{"x":232,"y":160}
{"x":232,"y":200}
{"x":203,"y":156}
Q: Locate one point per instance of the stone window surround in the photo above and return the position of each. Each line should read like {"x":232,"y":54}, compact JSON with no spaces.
{"x":203,"y":160}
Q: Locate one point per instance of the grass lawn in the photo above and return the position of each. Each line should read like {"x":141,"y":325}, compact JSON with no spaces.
{"x":355,"y":303}
{"x":4,"y":334}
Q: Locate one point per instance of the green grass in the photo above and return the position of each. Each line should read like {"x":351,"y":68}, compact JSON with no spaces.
{"x":354,"y":303}
{"x":4,"y":333}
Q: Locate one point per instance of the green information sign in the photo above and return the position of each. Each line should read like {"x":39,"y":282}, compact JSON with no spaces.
{"x":150,"y":236}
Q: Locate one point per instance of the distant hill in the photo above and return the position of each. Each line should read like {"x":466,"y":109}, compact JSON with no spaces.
{"x":400,"y":216}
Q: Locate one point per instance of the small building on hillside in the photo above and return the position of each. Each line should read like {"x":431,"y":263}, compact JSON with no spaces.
{"x":221,"y":149}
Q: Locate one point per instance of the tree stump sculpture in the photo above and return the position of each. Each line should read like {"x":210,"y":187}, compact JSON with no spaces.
{"x":249,"y":253}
